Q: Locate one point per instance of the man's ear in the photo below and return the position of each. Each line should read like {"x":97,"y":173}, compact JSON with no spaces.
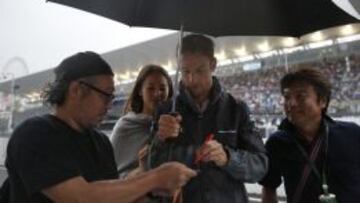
{"x":74,"y":89}
{"x":213,"y":63}
{"x":322,"y":103}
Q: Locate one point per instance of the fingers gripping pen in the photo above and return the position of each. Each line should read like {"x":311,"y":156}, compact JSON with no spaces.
{"x":198,"y":157}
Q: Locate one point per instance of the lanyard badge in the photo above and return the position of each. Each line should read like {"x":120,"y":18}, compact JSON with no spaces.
{"x":327,"y":197}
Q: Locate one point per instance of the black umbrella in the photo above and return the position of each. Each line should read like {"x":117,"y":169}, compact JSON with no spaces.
{"x":356,"y":5}
{"x":222,"y":17}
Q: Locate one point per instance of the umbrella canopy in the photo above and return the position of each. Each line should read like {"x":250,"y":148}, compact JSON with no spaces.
{"x":222,"y":17}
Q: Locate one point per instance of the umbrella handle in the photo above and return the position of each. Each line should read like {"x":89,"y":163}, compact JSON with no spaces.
{"x":177,"y":73}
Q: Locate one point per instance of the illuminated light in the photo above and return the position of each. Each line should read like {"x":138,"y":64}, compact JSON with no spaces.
{"x":347,"y":30}
{"x":220,"y":56}
{"x":134,"y":74}
{"x":117,"y":82}
{"x":348,"y":38}
{"x":317,"y":36}
{"x":127,"y":82}
{"x":267,"y":54}
{"x":264,"y":47}
{"x":117,"y":79}
{"x":293,"y":49}
{"x":325,"y":43}
{"x":246,"y":58}
{"x":116,"y":76}
{"x":169,"y":66}
{"x":34,"y":97}
{"x":172,"y":72}
{"x":289,"y":42}
{"x":125,"y":76}
{"x":241,"y":52}
{"x":225,"y":62}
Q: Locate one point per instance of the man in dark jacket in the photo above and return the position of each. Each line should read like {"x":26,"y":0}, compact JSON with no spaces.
{"x":212,"y":132}
{"x":314,"y":155}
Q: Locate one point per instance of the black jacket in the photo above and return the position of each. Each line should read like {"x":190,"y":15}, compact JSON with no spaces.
{"x":229,"y":121}
{"x":342,"y":167}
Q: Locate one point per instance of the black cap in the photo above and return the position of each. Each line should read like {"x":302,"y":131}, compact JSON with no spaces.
{"x":80,"y":65}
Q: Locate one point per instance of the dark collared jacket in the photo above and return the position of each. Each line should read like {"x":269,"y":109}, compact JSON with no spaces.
{"x":228,"y":120}
{"x":342,"y":165}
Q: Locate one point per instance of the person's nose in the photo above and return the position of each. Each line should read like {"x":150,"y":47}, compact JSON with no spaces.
{"x":190,"y":78}
{"x":157,"y":93}
{"x":291,"y":102}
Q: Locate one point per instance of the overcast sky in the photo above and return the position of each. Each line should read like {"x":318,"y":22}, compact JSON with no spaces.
{"x":42,"y":34}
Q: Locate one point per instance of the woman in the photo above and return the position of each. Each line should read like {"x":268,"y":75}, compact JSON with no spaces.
{"x":131,"y":133}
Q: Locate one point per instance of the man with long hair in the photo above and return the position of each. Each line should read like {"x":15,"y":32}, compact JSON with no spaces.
{"x":62,"y":158}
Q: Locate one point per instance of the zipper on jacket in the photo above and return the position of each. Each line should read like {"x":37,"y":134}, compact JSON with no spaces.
{"x":200,"y":116}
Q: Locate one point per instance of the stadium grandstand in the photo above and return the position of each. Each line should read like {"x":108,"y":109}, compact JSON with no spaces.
{"x":249,"y":67}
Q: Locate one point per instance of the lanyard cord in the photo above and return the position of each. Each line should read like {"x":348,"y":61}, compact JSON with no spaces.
{"x":314,"y":153}
{"x":312,"y":159}
{"x":326,"y":148}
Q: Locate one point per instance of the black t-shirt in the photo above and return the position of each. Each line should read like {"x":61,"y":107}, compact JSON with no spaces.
{"x":44,"y":151}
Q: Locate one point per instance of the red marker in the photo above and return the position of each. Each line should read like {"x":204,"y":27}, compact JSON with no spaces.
{"x":198,"y":158}
{"x":209,"y":138}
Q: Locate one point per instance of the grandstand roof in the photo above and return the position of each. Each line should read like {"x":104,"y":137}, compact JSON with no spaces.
{"x":162,"y":51}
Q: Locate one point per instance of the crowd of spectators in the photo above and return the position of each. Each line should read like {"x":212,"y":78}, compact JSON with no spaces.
{"x":260,"y":88}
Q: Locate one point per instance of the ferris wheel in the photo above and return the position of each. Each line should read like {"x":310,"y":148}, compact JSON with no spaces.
{"x":15,"y":67}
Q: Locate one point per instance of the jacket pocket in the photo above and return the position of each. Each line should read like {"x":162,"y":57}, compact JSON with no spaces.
{"x":227,"y":137}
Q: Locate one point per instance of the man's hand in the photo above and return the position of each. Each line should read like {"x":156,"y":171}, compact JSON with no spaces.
{"x":168,"y":126}
{"x":213,"y":151}
{"x":172,"y":176}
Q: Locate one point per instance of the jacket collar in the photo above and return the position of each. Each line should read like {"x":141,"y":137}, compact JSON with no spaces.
{"x":287,"y":126}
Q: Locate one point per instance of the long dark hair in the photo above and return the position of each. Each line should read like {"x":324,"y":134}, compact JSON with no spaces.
{"x":135,"y":102}
{"x":86,"y":65}
{"x":54,"y":93}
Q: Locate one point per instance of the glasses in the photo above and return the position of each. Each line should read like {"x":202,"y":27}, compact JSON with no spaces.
{"x":109,"y":97}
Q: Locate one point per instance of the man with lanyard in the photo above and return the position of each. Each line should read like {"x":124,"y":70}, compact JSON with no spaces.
{"x":61,"y":157}
{"x":212,"y":132}
{"x":317,"y":157}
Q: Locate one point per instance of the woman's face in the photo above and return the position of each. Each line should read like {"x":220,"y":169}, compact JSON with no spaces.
{"x":154,"y":90}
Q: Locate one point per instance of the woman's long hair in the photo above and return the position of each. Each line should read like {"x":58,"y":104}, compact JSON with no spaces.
{"x":135,"y":102}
